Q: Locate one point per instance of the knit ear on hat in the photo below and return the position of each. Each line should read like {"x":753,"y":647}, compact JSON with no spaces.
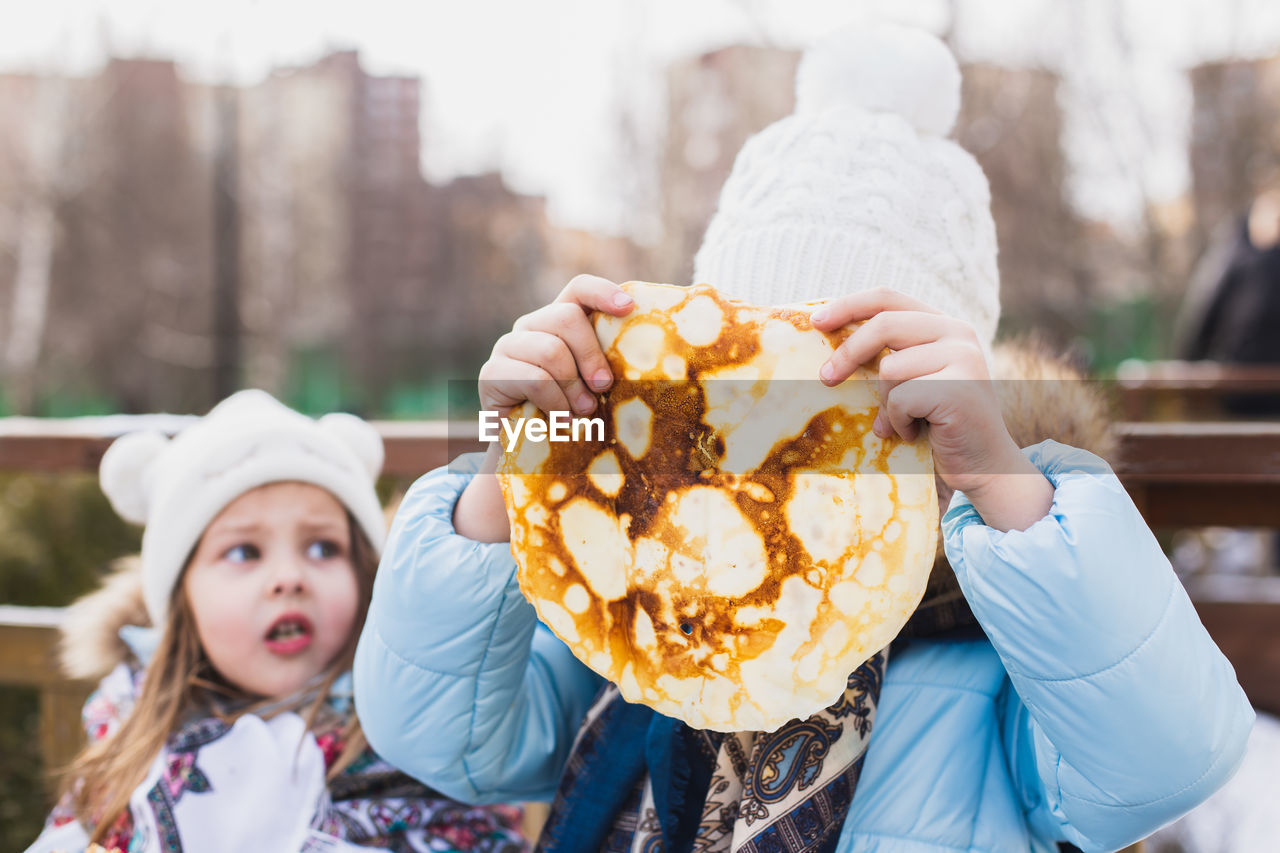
{"x":123,"y":473}
{"x":359,"y":436}
{"x":883,"y":68}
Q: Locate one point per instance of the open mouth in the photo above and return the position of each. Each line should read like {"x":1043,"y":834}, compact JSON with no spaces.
{"x":289,"y":634}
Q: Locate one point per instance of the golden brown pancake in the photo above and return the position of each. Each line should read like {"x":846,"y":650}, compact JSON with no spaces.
{"x":740,"y":540}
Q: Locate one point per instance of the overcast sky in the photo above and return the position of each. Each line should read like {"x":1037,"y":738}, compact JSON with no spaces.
{"x":535,"y":88}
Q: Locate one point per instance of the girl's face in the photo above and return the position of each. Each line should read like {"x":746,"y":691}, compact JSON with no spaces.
{"x":272,"y":587}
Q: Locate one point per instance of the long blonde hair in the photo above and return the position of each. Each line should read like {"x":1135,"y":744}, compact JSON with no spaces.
{"x":179,"y":680}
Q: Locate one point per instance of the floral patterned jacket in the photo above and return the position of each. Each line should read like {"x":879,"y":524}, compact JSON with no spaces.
{"x":214,"y":775}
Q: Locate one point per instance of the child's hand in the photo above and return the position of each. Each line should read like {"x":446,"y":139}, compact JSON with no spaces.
{"x":972,"y":448}
{"x":551,"y":356}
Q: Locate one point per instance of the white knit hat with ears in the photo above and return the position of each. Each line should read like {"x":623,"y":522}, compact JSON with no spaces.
{"x":859,"y":188}
{"x":177,"y":487}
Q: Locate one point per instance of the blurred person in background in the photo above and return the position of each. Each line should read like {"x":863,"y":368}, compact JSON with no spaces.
{"x":1232,"y":310}
{"x":1231,"y":315}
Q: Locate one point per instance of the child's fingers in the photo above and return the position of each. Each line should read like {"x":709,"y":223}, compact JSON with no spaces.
{"x":901,"y":365}
{"x":506,"y":383}
{"x":593,"y":293}
{"x":896,"y":330}
{"x":904,"y":365}
{"x":552,"y":354}
{"x":566,"y":321}
{"x":862,"y":306}
{"x":542,"y":349}
{"x":909,"y":403}
{"x":954,"y":401}
{"x":899,"y":409}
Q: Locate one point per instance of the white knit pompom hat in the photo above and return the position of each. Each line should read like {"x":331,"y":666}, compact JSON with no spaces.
{"x":859,"y":188}
{"x":177,"y":487}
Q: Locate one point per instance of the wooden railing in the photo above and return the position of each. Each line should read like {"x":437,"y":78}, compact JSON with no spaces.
{"x":28,"y":658}
{"x":1200,"y":474}
{"x":1180,"y":474}
{"x":76,"y":445}
{"x":1192,"y":390}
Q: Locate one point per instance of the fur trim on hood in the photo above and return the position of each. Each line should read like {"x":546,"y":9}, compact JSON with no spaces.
{"x":91,"y":645}
{"x":1041,"y":395}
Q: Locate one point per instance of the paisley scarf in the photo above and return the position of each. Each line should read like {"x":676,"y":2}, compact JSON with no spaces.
{"x":639,"y":782}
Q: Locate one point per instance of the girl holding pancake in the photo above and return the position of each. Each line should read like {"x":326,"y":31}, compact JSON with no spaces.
{"x":1052,"y":685}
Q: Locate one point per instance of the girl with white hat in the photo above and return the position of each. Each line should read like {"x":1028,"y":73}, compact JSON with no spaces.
{"x":226,"y":721}
{"x":1059,"y":689}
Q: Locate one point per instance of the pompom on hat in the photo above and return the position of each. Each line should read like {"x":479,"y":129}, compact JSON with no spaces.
{"x":859,"y":188}
{"x":176,"y":487}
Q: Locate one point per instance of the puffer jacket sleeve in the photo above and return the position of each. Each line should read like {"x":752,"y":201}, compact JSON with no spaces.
{"x":456,"y":682}
{"x":1124,"y":713}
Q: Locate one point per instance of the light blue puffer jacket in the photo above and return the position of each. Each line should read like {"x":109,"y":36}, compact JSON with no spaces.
{"x":1099,"y":710}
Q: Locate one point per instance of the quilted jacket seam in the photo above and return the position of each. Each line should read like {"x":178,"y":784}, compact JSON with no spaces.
{"x":934,"y":844}
{"x":395,"y":653}
{"x":1187,"y":787}
{"x":1159,"y":623}
{"x":475,"y":696}
{"x":935,"y":685}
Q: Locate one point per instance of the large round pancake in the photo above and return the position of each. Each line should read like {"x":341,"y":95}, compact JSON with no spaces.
{"x":740,"y":541}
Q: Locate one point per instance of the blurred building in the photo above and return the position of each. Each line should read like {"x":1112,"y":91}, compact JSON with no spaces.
{"x":158,"y":236}
{"x":572,"y":252}
{"x":715,"y":101}
{"x":1235,"y":138}
{"x":489,"y":268}
{"x":1011,"y":121}
{"x":110,"y":279}
{"x":334,"y":217}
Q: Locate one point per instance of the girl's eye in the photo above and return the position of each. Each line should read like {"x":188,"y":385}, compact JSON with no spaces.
{"x":243,"y":553}
{"x":323,"y":549}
